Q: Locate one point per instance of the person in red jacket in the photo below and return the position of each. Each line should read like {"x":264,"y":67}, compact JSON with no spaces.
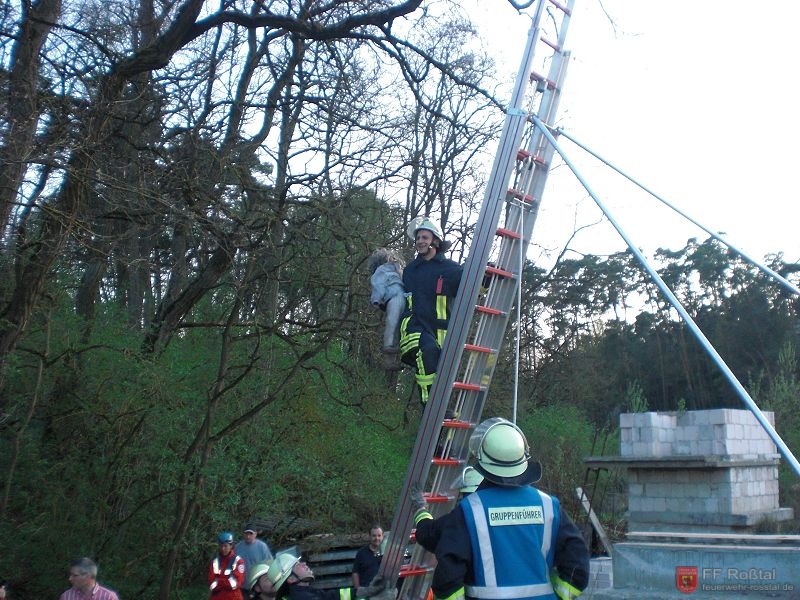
{"x":226,"y":571}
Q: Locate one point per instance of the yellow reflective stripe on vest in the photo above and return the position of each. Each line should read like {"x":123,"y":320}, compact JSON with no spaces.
{"x":408,"y":341}
{"x":457,"y":595}
{"x":441,"y":314}
{"x":345,"y":593}
{"x":421,"y":516}
{"x":562,"y":589}
{"x":441,"y":307}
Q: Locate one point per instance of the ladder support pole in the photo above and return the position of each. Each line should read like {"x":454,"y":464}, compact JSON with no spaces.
{"x":673,"y":300}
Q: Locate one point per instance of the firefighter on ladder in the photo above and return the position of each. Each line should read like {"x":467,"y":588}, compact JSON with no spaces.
{"x":508,"y":539}
{"x":431,"y":282}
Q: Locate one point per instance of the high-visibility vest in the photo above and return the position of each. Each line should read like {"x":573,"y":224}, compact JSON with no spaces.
{"x":233,"y":563}
{"x":512,"y":533}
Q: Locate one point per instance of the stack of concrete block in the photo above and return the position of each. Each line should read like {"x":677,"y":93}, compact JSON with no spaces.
{"x":647,"y":434}
{"x":714,"y":468}
{"x":721,"y":432}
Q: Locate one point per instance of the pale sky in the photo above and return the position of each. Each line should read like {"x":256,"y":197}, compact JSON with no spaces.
{"x":696,"y":100}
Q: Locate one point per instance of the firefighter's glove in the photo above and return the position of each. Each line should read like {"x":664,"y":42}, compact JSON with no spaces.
{"x":373,"y":589}
{"x":417,"y":499}
{"x":388,"y":594}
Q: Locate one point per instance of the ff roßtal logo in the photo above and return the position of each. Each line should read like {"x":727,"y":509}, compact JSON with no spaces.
{"x":686,"y":579}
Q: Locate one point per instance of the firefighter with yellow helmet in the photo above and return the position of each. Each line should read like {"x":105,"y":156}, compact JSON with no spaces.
{"x":431,"y":282}
{"x":267,"y":579}
{"x":509,"y":539}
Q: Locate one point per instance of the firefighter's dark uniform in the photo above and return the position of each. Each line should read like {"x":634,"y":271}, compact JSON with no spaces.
{"x":306,"y":592}
{"x":521,"y":570}
{"x":431,"y":287}
{"x":428,"y":530}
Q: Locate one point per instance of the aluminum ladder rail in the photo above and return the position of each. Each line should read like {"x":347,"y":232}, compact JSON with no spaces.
{"x":466,"y":367}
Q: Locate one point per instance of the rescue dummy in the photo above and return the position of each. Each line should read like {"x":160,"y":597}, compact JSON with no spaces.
{"x":388,"y":294}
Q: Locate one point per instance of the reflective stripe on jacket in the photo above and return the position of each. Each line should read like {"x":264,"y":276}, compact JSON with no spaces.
{"x":226,"y":576}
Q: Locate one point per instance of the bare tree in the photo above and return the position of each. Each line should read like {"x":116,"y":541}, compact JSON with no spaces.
{"x":178,"y":27}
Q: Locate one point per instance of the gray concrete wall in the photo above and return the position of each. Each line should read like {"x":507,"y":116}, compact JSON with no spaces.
{"x":713,"y":470}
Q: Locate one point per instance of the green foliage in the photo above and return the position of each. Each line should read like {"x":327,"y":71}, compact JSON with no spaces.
{"x":589,"y":344}
{"x":781,"y":394}
{"x":635,"y":398}
{"x":560,"y":437}
{"x":105,"y":457}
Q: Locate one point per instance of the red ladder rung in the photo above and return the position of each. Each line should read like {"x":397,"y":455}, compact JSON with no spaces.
{"x":446,"y":462}
{"x":540,"y":160}
{"x":522,"y":154}
{"x":438,"y":498}
{"x":499,"y":272}
{"x":553,"y":45}
{"x":474,"y":348}
{"x":520,"y":196}
{"x":456,"y":424}
{"x":414,"y":570}
{"x":508,"y":233}
{"x":471,"y":387}
{"x":537,"y":77}
{"x":495,"y":312}
{"x":561,"y":7}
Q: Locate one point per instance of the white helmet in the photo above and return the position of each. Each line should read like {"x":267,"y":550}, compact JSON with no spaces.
{"x":468,"y":481}
{"x":257,"y":570}
{"x":424,"y":223}
{"x":277,"y":569}
{"x":502,"y":454}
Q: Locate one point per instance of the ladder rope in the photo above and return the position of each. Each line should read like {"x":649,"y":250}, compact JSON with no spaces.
{"x":515,"y":393}
{"x":673,"y":300}
{"x":783,"y":281}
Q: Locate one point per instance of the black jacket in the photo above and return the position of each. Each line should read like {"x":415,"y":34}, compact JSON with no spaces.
{"x":422,"y":279}
{"x":306,"y":592}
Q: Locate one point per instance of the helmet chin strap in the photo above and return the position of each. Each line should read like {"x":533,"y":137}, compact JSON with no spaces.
{"x":306,"y":579}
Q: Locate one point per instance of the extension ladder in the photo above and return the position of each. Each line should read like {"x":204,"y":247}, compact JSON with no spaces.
{"x":476,"y":331}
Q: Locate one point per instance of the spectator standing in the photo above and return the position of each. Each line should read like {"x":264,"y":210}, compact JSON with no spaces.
{"x":226,"y":571}
{"x":368,"y":559}
{"x":83,"y":579}
{"x":252,"y":550}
